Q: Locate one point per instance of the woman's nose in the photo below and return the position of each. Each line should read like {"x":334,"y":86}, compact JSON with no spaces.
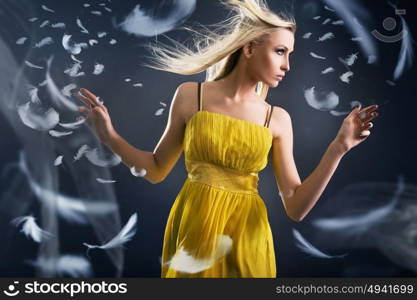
{"x":285,"y":66}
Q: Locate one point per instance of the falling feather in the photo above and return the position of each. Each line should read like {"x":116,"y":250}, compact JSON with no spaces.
{"x":328,"y":8}
{"x":326,"y":36}
{"x":316,"y":17}
{"x":44,"y":42}
{"x":327,"y":70}
{"x":83,"y":29}
{"x":73,"y":71}
{"x":35,"y":120}
{"x":98,"y":69}
{"x":58,"y":25}
{"x":96,"y":12}
{"x":125,"y":235}
{"x":21,"y":41}
{"x":73,"y":48}
{"x":141,"y":23}
{"x":326,"y":21}
{"x":29,"y":64}
{"x":92,"y":42}
{"x":184,"y":262}
{"x":141,"y":173}
{"x":101,"y":34}
{"x":32,"y":20}
{"x":81,"y":151}
{"x":308,"y":248}
{"x":47,"y":9}
{"x":56,"y":133}
{"x":66,"y":90}
{"x":316,"y":56}
{"x":58,"y":160}
{"x":324,"y":101}
{"x":350,"y":60}
{"x":31,"y":229}
{"x":307,"y":35}
{"x":73,"y":125}
{"x":339,"y":113}
{"x":138,"y":85}
{"x":159,"y":112}
{"x":97,"y":158}
{"x":345,"y":76}
{"x":338,"y":22}
{"x":101,"y":180}
{"x":67,"y":264}
{"x":33,"y":94}
{"x":44,"y":23}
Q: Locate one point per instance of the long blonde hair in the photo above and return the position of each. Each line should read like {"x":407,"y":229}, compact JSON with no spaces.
{"x":217,"y":51}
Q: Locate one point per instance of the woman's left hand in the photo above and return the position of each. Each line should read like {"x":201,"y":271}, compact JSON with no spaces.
{"x":355,"y":127}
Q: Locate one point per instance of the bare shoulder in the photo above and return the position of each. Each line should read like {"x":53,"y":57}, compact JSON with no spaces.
{"x":186,"y":99}
{"x":280,"y":123}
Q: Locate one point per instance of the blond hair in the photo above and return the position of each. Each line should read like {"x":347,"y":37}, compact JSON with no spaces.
{"x":217,"y":51}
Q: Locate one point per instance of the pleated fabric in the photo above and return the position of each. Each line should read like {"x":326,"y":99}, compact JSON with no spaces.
{"x":218,"y":225}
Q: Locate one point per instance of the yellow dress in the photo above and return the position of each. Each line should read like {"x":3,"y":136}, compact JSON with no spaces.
{"x":218,"y":225}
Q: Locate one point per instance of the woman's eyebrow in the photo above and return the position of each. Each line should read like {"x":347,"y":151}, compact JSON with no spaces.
{"x":285,"y":47}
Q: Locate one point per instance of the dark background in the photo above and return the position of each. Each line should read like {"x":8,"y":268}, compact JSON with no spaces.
{"x":389,"y":150}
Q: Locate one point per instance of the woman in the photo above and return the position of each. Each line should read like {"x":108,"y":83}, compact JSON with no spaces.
{"x":218,"y":225}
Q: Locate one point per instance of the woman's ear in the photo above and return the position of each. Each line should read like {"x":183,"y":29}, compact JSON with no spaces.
{"x":248,"y":49}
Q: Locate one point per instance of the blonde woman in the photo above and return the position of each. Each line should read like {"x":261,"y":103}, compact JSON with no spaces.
{"x":218,"y":225}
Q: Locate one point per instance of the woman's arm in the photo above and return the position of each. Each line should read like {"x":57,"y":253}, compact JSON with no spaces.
{"x":300,"y":197}
{"x":160,"y":162}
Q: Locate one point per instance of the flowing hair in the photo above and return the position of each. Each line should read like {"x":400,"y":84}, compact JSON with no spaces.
{"x":217,"y":50}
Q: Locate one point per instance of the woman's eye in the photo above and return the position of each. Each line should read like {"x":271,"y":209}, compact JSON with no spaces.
{"x":280,"y":51}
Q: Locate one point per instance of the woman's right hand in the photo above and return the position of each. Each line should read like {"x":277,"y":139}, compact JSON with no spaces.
{"x":96,"y":115}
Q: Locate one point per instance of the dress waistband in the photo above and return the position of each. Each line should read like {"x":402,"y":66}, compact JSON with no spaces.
{"x":222,"y":177}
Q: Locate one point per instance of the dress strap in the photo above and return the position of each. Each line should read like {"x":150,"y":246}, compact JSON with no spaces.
{"x":200,"y":98}
{"x":269,"y":114}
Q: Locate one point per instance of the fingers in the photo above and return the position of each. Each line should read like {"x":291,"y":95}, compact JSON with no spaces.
{"x":90,"y":96}
{"x":367,"y":110}
{"x":83,"y":99}
{"x":365,"y":133}
{"x":367,"y":126}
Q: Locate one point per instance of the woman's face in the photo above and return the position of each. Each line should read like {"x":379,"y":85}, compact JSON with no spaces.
{"x":269,"y":60}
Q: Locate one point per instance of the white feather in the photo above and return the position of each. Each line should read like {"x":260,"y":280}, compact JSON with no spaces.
{"x":184,"y":262}
{"x":141,"y":173}
{"x":71,"y":265}
{"x":125,"y":235}
{"x":31,"y":229}
{"x":326,"y":36}
{"x":84,"y":30}
{"x":345,"y":76}
{"x":44,"y":42}
{"x":47,"y":9}
{"x":56,"y":133}
{"x":308,"y":248}
{"x":29,"y":64}
{"x":316,"y":56}
{"x":58,"y":160}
